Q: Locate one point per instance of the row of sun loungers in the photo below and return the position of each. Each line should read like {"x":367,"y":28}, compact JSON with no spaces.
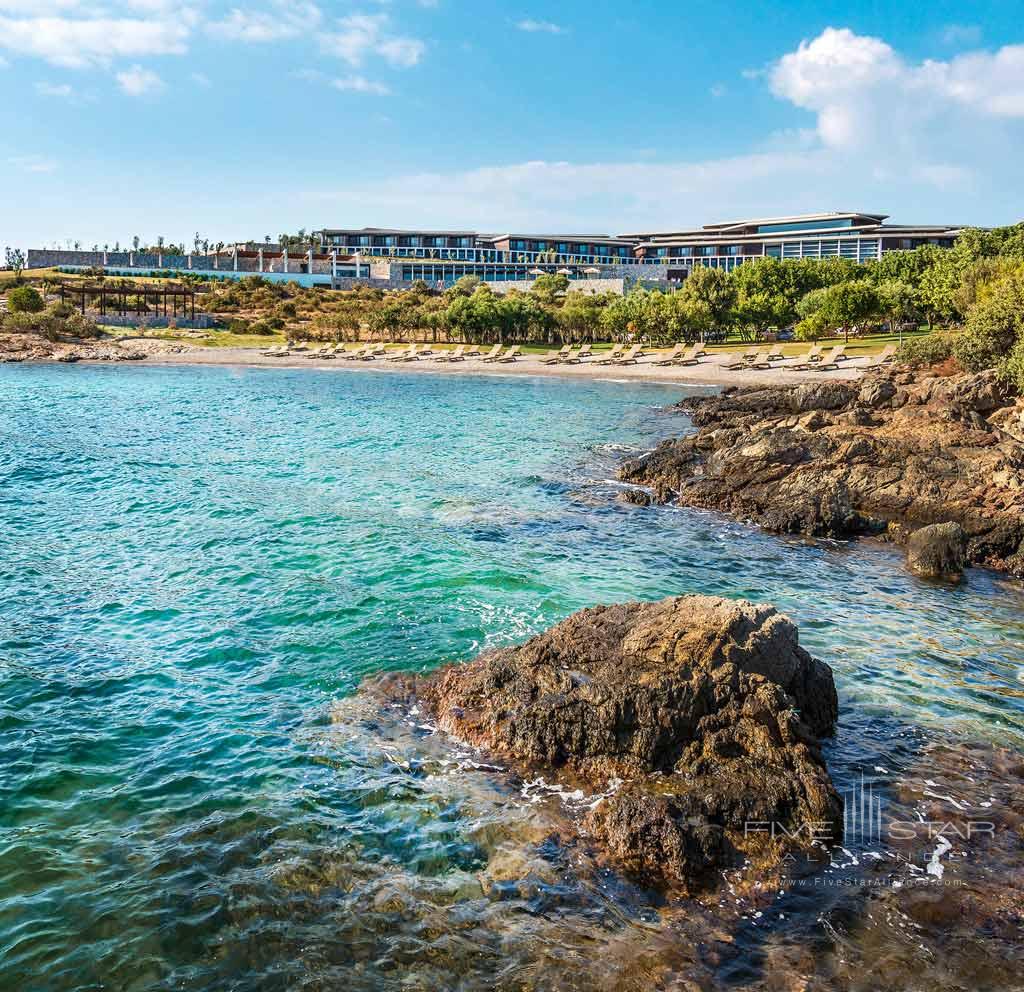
{"x":816,"y":359}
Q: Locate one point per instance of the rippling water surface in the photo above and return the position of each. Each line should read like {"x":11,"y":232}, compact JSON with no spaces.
{"x":197,"y":566}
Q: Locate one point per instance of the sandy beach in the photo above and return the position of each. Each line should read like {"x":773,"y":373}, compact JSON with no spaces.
{"x":711,"y":371}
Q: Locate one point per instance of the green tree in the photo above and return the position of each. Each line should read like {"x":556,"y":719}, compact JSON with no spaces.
{"x":708,"y":297}
{"x":549,"y":287}
{"x":764,"y":296}
{"x":994,"y":327}
{"x":897,"y":301}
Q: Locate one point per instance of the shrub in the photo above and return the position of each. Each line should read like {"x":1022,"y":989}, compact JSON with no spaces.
{"x":1011,"y":369}
{"x":24,"y":299}
{"x":993,"y":327}
{"x":260,"y":327}
{"x":930,"y":349}
{"x":238,"y":326}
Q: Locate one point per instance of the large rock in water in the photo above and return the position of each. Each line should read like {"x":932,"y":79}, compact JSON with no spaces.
{"x":938,"y":551}
{"x":709,"y":708}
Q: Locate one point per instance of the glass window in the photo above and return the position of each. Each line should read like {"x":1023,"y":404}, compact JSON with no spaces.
{"x":709,"y":250}
{"x":825,"y":224}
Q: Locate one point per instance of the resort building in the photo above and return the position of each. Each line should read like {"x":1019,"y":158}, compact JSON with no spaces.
{"x":859,"y":237}
{"x":393,"y":258}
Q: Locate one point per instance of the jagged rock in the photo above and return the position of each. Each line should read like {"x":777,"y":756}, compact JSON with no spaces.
{"x":709,"y":707}
{"x":831,"y":459}
{"x":636,"y":497}
{"x":938,"y":551}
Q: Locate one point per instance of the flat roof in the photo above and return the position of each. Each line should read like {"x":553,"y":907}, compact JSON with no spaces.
{"x":394,"y":230}
{"x":611,"y":238}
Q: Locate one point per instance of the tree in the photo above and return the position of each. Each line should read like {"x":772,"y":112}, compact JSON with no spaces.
{"x":708,"y":297}
{"x":841,"y":305}
{"x":764,"y":295}
{"x":24,"y":299}
{"x":579,"y":316}
{"x":15,"y":259}
{"x":547,"y":287}
{"x":897,"y":301}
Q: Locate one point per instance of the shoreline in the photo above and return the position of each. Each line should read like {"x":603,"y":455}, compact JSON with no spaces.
{"x":709,"y":372}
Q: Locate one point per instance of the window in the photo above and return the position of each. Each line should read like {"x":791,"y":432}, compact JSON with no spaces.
{"x":389,"y":241}
{"x":685,"y":251}
{"x":518,"y":245}
{"x":826,"y":224}
{"x":363,"y":240}
{"x":464,"y":243}
{"x":906,"y":243}
{"x":734,"y":249}
{"x":662,"y":252}
{"x":709,"y":250}
{"x":563,"y":248}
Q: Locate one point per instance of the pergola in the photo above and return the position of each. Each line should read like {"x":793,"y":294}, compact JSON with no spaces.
{"x":165,"y":301}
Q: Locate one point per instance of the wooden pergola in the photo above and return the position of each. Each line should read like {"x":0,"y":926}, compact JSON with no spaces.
{"x":164,"y":301}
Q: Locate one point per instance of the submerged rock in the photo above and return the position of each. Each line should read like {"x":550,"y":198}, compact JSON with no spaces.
{"x":833,"y":459}
{"x":938,"y":551}
{"x":708,"y":707}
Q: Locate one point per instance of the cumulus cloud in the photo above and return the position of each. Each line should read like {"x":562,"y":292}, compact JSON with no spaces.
{"x":282,"y":20}
{"x":138,"y":81}
{"x":77,"y":42}
{"x":361,"y":35}
{"x":540,"y":27}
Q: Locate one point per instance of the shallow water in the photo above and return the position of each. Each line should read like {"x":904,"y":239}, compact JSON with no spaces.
{"x":198,"y":564}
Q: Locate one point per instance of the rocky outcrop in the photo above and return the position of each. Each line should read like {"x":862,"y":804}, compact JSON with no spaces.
{"x":708,"y":708}
{"x":938,"y":551}
{"x":22,"y":347}
{"x":891,"y":454}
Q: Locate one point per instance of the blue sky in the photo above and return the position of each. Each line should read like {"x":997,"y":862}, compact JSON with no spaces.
{"x":237,"y":120}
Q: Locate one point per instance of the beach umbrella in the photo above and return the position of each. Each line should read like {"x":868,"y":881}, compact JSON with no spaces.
{"x":565,"y":272}
{"x":592,"y":271}
{"x":536,"y":272}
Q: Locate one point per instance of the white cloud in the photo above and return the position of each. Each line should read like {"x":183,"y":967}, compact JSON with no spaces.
{"x":33,"y":163}
{"x":362,"y":35}
{"x":960,"y":34}
{"x":283,"y":20}
{"x":360,"y":84}
{"x":83,"y":41}
{"x":60,"y":90}
{"x":859,"y":87}
{"x":925,"y":140}
{"x":540,"y":27}
{"x":138,"y":81}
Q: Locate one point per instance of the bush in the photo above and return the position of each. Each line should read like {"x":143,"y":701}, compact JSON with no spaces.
{"x":993,"y":327}
{"x":930,"y":349}
{"x":1011,"y":369}
{"x":24,"y":299}
{"x":238,"y":326}
{"x":260,"y":327}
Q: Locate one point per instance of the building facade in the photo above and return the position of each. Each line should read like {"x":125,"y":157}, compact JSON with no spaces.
{"x":856,"y":236}
{"x":392,"y":258}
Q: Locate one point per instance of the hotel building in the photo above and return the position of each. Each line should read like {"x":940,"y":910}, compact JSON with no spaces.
{"x":393,"y":258}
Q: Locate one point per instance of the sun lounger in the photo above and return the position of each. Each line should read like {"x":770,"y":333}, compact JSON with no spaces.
{"x":675,"y":353}
{"x":828,"y":362}
{"x":611,"y":357}
{"x":631,"y":356}
{"x":554,"y":357}
{"x":472,"y":351}
{"x":457,"y":355}
{"x":585,"y":352}
{"x":759,"y":360}
{"x":691,"y":356}
{"x":775,"y":353}
{"x":493,"y":354}
{"x":372,"y":352}
{"x":574,"y":357}
{"x":886,"y":357}
{"x":511,"y":355}
{"x":401,"y":355}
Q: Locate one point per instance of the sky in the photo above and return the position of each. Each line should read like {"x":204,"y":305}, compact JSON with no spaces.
{"x":235,"y":120}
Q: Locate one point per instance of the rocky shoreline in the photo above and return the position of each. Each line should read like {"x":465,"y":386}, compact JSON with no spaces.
{"x":699,"y":718}
{"x":22,"y":347}
{"x":930,"y":460}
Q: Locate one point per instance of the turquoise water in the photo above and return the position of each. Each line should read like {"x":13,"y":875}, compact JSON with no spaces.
{"x":196,"y":564}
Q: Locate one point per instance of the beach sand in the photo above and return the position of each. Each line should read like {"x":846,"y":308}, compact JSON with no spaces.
{"x":711,"y":371}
